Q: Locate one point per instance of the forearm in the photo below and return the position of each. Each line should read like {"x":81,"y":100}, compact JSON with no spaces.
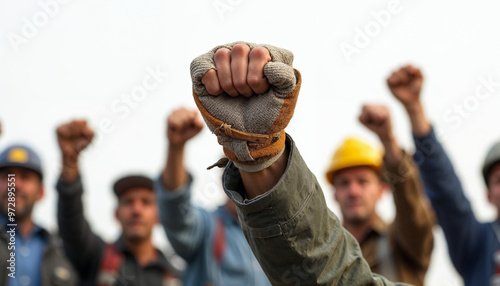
{"x":174,"y":174}
{"x":85,"y":248}
{"x":412,"y":229}
{"x":436,"y":170}
{"x":393,"y":153}
{"x":448,"y":199}
{"x":258,"y":183}
{"x":184,"y":224}
{"x":419,"y":123}
{"x":70,"y":171}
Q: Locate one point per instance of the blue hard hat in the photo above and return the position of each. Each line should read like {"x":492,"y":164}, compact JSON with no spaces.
{"x":21,"y":156}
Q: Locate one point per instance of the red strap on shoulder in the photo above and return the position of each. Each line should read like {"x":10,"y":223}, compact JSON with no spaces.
{"x":219,"y":243}
{"x":111,"y":263}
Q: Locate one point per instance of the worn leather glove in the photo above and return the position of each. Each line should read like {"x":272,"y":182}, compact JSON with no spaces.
{"x":250,"y":129}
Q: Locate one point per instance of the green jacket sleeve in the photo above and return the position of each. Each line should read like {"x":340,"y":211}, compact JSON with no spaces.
{"x":295,"y":237}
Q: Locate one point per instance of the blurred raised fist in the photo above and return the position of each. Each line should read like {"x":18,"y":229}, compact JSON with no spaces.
{"x":377,"y":118}
{"x":73,"y":137}
{"x":405,"y":84}
{"x":182,"y":125}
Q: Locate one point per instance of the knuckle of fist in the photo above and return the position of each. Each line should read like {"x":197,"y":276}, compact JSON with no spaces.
{"x":226,"y":84}
{"x":240,"y":49}
{"x":240,"y":83}
{"x":221,"y":54}
{"x":255,"y":80}
{"x":259,"y":53}
{"x":213,"y":90}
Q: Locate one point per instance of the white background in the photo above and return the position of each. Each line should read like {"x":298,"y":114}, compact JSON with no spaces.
{"x":78,"y":61}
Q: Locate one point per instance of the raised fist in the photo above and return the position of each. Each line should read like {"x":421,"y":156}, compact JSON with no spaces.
{"x":247,"y":95}
{"x":405,"y":84}
{"x":182,"y":125}
{"x":73,"y":137}
{"x":377,"y":118}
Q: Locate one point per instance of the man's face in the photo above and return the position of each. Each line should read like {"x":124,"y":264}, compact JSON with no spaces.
{"x":357,"y":190}
{"x":494,"y":186}
{"x":28,"y":190}
{"x":137,"y":213}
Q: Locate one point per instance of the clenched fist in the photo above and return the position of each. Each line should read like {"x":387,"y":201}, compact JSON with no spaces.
{"x":377,"y":118}
{"x":73,"y":137}
{"x":182,"y":125}
{"x":405,"y":84}
{"x":247,"y":94}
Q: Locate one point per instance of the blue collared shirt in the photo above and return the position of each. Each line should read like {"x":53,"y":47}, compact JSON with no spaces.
{"x":29,"y":254}
{"x":192,"y":231}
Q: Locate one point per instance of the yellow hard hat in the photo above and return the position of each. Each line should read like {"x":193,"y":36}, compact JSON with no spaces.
{"x":354,"y":152}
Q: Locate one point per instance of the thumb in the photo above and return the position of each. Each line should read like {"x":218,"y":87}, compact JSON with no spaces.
{"x":281,"y":77}
{"x":363,"y":118}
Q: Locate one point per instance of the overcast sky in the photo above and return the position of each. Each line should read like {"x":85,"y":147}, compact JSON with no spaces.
{"x":124,"y":66}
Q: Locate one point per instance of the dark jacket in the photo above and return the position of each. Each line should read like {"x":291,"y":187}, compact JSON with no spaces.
{"x":85,"y":249}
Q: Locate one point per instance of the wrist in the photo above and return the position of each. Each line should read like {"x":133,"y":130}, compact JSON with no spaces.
{"x":70,"y":161}
{"x":258,"y":183}
{"x":414,"y":108}
{"x":70,"y":170}
{"x":420,"y":124}
{"x":393,"y":153}
{"x":387,"y":139}
{"x":176,"y":146}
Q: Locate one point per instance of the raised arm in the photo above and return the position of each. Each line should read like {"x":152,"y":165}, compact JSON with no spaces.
{"x":441,"y":183}
{"x":412,"y":227}
{"x":405,"y":84}
{"x":83,"y":247}
{"x":185,"y":225}
{"x":247,"y":94}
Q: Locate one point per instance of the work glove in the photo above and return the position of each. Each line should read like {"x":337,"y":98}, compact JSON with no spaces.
{"x":250,"y":129}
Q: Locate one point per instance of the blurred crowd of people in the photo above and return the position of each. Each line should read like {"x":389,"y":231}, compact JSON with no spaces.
{"x":237,"y":244}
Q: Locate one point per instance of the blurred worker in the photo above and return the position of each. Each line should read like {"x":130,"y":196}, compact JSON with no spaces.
{"x":474,"y":247}
{"x":402,"y":250}
{"x":212,"y":243}
{"x":132,"y":259}
{"x":39,"y":256}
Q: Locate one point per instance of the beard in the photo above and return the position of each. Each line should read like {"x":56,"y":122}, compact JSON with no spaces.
{"x":356,"y":220}
{"x":133,"y":237}
{"x":133,"y":233}
{"x":22,"y":211}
